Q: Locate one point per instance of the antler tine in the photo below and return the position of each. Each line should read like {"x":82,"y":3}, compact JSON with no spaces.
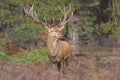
{"x":65,"y":14}
{"x":60,"y":9}
{"x":33,"y":15}
{"x":69,"y":18}
{"x":64,"y":8}
{"x":32,"y":8}
{"x":69,"y":8}
{"x":46,"y":21}
{"x":29,"y":12}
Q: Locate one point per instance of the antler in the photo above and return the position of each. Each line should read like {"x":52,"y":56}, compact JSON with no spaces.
{"x":33,"y":15}
{"x":65,"y":14}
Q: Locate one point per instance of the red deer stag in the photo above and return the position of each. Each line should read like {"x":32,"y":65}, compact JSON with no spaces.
{"x":59,"y":50}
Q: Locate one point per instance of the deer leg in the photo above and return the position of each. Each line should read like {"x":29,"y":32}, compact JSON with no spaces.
{"x":66,"y":61}
{"x":59,"y":66}
{"x":64,"y":65}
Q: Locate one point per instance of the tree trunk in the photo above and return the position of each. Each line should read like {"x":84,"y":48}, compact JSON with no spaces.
{"x":73,"y":40}
{"x":73,"y":37}
{"x":21,"y":11}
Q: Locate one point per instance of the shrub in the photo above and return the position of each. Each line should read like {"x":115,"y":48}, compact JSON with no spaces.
{"x":3,"y":56}
{"x":25,"y":32}
{"x":31,"y":56}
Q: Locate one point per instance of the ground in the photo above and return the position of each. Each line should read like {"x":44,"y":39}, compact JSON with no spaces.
{"x":79,"y":68}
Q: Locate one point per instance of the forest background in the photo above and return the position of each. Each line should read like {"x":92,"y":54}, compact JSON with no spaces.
{"x":95,"y":23}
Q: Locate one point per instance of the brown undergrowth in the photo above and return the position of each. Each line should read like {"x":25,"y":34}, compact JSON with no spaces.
{"x":80,"y":68}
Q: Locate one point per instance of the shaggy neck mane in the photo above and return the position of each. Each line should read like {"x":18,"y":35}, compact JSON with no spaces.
{"x":53,"y":45}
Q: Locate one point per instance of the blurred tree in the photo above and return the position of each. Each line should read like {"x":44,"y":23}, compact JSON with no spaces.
{"x":107,"y":21}
{"x":115,"y":20}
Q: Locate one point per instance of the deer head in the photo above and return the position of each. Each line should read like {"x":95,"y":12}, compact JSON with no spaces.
{"x":53,"y":31}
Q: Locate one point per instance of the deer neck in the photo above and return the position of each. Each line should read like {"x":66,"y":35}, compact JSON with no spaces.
{"x":53,"y":45}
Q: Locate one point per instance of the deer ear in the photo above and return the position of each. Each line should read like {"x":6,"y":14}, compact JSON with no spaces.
{"x":61,"y":28}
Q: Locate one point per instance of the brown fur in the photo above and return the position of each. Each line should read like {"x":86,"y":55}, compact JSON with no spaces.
{"x":59,"y":50}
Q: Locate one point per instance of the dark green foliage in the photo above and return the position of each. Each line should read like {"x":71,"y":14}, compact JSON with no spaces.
{"x":9,"y":11}
{"x":88,"y":1}
{"x":25,"y":32}
{"x":86,"y":24}
{"x":115,"y":32}
{"x":109,"y":21}
{"x":108,"y":29}
{"x":104,"y":28}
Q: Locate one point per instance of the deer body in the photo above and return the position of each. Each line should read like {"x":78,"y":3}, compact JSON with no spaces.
{"x":58,"y":50}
